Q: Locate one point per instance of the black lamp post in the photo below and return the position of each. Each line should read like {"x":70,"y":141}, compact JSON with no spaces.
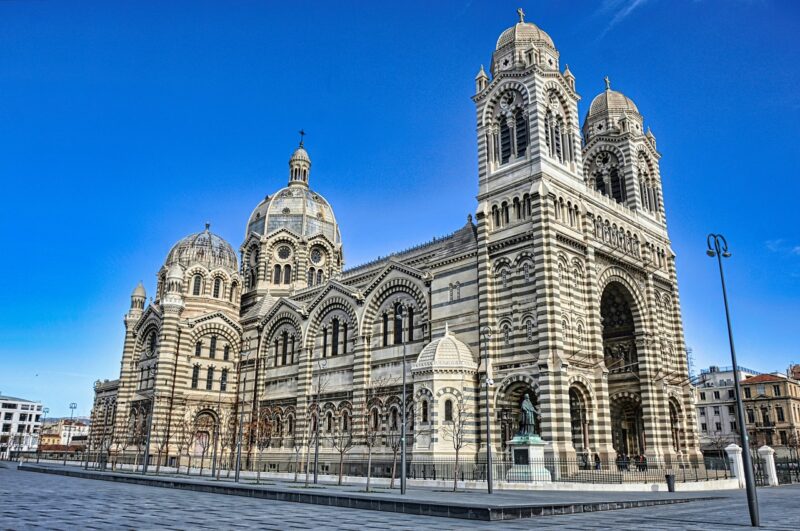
{"x":321,"y":363}
{"x":402,"y":405}
{"x":45,"y":411}
{"x":718,"y":247}
{"x":487,"y":334}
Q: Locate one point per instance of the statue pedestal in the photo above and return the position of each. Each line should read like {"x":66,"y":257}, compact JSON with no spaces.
{"x":528,"y":455}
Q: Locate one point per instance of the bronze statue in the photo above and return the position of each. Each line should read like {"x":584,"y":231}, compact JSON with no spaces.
{"x":527,"y":418}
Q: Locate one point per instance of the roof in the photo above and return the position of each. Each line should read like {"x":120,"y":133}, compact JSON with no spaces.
{"x":763,"y":378}
{"x":446,"y":352}
{"x":203,"y":248}
{"x":611,"y":101}
{"x":15,"y":399}
{"x":523,"y":33}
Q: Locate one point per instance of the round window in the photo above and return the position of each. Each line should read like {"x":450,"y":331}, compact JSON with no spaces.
{"x":316,"y":256}
{"x":284,"y":252}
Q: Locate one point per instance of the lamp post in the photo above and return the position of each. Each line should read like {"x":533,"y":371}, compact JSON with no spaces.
{"x":718,"y":247}
{"x":402,"y":316}
{"x":146,"y":460}
{"x":487,"y":334}
{"x":72,"y":407}
{"x":241,"y":428}
{"x":321,"y":364}
{"x":45,"y":411}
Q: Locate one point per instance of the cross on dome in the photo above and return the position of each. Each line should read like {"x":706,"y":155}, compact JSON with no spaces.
{"x":302,"y":134}
{"x":608,"y":83}
{"x":521,"y":14}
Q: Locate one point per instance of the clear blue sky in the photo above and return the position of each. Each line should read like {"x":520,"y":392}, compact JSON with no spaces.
{"x":125,"y":126}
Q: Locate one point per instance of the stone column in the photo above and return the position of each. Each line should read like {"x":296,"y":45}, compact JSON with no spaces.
{"x":768,"y":455}
{"x":735,"y":458}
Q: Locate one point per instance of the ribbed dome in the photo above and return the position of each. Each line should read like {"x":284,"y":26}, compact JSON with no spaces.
{"x":446,"y":352}
{"x":295,"y":208}
{"x":203,"y":248}
{"x":524,"y":33}
{"x":300,"y":154}
{"x":611,"y":101}
{"x":139,"y":291}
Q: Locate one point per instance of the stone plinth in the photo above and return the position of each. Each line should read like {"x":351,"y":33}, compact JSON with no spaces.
{"x":528,"y":457}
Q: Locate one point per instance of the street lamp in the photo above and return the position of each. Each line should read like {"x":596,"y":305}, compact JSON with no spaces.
{"x":321,"y":364}
{"x":241,"y":428}
{"x":72,"y":407}
{"x":718,"y":247}
{"x":402,"y":316}
{"x":487,"y":334}
{"x":150,"y":421}
{"x":45,"y":411}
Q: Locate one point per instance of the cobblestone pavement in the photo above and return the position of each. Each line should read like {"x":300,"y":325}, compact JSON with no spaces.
{"x":32,"y":500}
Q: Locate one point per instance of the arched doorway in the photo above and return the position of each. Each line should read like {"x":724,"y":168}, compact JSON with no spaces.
{"x":579,"y":419}
{"x":619,"y":329}
{"x":510,"y":409}
{"x":627,"y":425}
{"x":676,"y":428}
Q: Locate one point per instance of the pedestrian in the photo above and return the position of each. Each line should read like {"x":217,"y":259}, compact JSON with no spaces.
{"x":596,"y":461}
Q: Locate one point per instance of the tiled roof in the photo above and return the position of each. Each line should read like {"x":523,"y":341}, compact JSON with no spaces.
{"x":762,"y":378}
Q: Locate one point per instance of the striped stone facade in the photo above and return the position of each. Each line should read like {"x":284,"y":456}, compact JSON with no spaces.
{"x":564,"y":280}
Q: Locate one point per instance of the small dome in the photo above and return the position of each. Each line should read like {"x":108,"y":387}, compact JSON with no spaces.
{"x":524,"y":33}
{"x":139,"y":291}
{"x":446,"y":352}
{"x":611,"y":101}
{"x":175,"y":272}
{"x":300,"y":154}
{"x":203,"y":248}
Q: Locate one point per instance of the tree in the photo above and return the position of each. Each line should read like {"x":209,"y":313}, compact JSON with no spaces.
{"x":455,"y":430}
{"x":264,"y":428}
{"x":370,"y":417}
{"x":204,"y":426}
{"x":227,"y":438}
{"x":342,"y":440}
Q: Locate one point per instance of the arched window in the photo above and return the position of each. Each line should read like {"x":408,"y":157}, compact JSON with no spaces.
{"x":344,"y":338}
{"x":311,"y":275}
{"x":329,"y":421}
{"x":195,"y":376}
{"x":234,"y":289}
{"x":521,"y":133}
{"x":335,"y":338}
{"x":448,"y":410}
{"x":496,"y":217}
{"x":424,"y":411}
{"x":276,"y":275}
{"x":452,"y":290}
{"x":325,"y":342}
{"x":617,"y":186}
{"x":319,"y":277}
{"x":287,"y":274}
{"x":226,"y":352}
{"x":217,"y":287}
{"x":398,"y":323}
{"x":290,"y":425}
{"x":505,"y":142}
{"x":517,"y":209}
{"x":393,"y":417}
{"x":506,"y":217}
{"x":506,"y":335}
{"x":197,"y":284}
{"x":458,"y":291}
{"x":345,"y":421}
{"x":374,"y":419}
{"x":410,"y":323}
{"x":529,"y":329}
{"x":198,"y":347}
{"x":292,"y":348}
{"x":223,"y":380}
{"x":385,"y":330}
{"x":284,"y":346}
{"x":212,"y":350}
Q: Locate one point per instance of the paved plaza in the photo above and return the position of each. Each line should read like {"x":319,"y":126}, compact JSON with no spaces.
{"x":44,"y":501}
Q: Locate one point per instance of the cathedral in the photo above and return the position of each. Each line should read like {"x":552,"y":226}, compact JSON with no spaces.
{"x":562,"y":286}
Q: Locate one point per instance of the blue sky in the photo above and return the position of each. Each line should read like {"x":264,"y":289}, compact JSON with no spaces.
{"x":126,"y":126}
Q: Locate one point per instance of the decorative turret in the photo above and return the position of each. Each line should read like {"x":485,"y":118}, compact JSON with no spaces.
{"x":299,"y":164}
{"x":481,"y":80}
{"x":138,"y":297}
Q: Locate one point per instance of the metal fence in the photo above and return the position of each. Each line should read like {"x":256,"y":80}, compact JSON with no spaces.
{"x":382,"y":466}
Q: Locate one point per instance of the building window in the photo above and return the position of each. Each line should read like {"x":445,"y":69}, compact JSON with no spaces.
{"x":292,"y":348}
{"x":329,"y":422}
{"x":325,"y":342}
{"x":718,"y":426}
{"x":702,"y":396}
{"x":751,"y":417}
{"x":716,"y":410}
{"x":345,"y":421}
{"x":226,"y":352}
{"x":716,"y":395}
{"x":276,"y":274}
{"x":287,"y":274}
{"x":319,"y":277}
{"x":747,"y":392}
{"x":385,"y":329}
{"x":198,"y":348}
{"x":424,"y":411}
{"x":702,"y":411}
{"x":398,"y":324}
{"x":393,"y":419}
{"x":731,"y":394}
{"x":776,"y":390}
{"x":311,"y":273}
{"x":448,"y":410}
{"x":521,"y":126}
{"x":733,"y":426}
{"x":761,"y":390}
{"x":374,"y":420}
{"x":784,"y":438}
{"x":197,"y":284}
{"x":731,"y":410}
{"x":344,"y":338}
{"x":217,"y":286}
{"x":212,"y":349}
{"x":779,"y":413}
{"x":223,"y":380}
{"x":210,"y":379}
{"x":335,"y":337}
{"x":703,"y":427}
{"x":284,"y":346}
{"x":290,"y":425}
{"x":195,"y":376}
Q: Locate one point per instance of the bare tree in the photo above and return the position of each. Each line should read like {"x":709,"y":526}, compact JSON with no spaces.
{"x":370,"y":417}
{"x":265,"y":425}
{"x":204,"y":426}
{"x":342,"y":440}
{"x":297,"y":448}
{"x":455,"y":430}
{"x":227,"y":439}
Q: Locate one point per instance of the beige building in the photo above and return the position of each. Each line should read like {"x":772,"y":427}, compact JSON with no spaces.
{"x":772,"y":411}
{"x":567,"y":261}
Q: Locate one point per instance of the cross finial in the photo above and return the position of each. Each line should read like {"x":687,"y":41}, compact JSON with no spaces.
{"x":302,"y":134}
{"x":208,"y":225}
{"x":608,"y":83}
{"x":521,"y":14}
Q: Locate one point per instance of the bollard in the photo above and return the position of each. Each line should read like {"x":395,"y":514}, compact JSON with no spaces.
{"x":670,"y":482}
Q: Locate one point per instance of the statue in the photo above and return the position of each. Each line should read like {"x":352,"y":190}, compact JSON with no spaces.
{"x":527,"y":418}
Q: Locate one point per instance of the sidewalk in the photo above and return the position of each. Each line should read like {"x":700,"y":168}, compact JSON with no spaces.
{"x":471,"y":504}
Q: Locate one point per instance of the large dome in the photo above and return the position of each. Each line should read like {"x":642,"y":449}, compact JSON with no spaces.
{"x":295,"y":208}
{"x":203,"y":248}
{"x":524,"y":33}
{"x":611,"y":101}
